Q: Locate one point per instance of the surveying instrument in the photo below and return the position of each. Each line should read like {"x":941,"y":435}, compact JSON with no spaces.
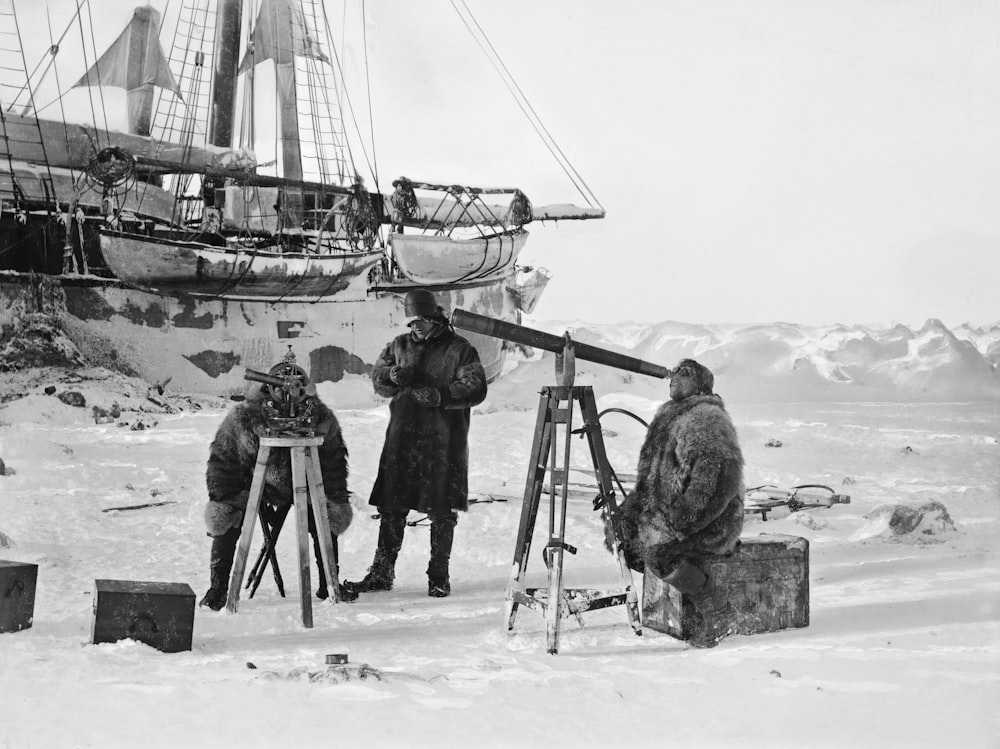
{"x":290,"y":410}
{"x":556,"y":407}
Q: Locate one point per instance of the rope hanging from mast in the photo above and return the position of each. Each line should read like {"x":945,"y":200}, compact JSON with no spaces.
{"x":344,"y":102}
{"x":482,"y":40}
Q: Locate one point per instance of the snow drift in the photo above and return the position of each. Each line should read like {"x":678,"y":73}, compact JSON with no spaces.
{"x":904,"y":580}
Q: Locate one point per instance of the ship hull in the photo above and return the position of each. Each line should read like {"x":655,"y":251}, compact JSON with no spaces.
{"x":204,"y":345}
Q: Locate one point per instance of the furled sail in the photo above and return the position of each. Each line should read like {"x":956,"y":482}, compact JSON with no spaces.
{"x":281,"y":34}
{"x":136,"y":63}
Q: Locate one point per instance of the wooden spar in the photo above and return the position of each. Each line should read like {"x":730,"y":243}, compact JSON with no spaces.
{"x":227,"y":58}
{"x":146,"y":165}
{"x":488,"y":214}
{"x":462,"y":188}
{"x":565,"y":212}
{"x":73,"y":145}
{"x":508,"y":331}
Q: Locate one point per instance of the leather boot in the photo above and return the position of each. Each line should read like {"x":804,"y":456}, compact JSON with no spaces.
{"x":442,"y":537}
{"x":219,"y":565}
{"x":382,"y":574}
{"x":718,"y":615}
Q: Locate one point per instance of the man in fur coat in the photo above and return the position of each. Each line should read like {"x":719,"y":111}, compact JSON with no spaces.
{"x":688,"y":498}
{"x":231,"y":462}
{"x":434,"y":377}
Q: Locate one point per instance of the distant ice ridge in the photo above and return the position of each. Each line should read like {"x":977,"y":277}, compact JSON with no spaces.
{"x":789,"y":362}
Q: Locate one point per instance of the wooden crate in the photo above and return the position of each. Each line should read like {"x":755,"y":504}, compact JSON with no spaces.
{"x":158,"y":614}
{"x":17,"y":595}
{"x":766,"y":580}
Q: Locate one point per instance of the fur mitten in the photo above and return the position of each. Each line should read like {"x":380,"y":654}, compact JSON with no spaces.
{"x":426,"y":396}
{"x":627,"y":518}
{"x":339,"y":515}
{"x":402,"y":376}
{"x":220,"y":517}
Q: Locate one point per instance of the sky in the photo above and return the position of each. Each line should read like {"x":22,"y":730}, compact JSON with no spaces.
{"x":810,"y":162}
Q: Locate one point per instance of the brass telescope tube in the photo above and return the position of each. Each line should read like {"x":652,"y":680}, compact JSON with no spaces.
{"x":509,"y":331}
{"x":263,"y":377}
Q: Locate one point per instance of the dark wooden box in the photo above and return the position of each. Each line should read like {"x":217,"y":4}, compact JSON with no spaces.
{"x":17,"y":595}
{"x":158,"y":614}
{"x":766,"y":580}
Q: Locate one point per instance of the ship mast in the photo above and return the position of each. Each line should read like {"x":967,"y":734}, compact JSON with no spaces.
{"x":229,"y":16}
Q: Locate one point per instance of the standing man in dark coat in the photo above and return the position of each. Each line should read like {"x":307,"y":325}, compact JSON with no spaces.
{"x":434,"y":378}
{"x":231,"y":462}
{"x":688,"y":498}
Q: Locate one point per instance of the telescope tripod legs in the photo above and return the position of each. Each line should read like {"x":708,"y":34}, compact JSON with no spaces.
{"x":307,"y":489}
{"x":555,"y":602}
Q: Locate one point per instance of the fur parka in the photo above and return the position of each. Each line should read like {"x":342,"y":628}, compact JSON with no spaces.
{"x":233,"y":455}
{"x":688,"y":497}
{"x":425,"y":458}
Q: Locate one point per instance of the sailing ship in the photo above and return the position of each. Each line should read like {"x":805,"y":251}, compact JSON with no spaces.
{"x":174,"y":250}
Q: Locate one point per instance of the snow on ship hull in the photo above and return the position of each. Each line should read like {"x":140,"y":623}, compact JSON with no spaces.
{"x":203,"y":346}
{"x":180,"y":267}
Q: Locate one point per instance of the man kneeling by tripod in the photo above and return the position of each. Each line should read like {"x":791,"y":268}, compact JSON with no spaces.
{"x":688,"y":498}
{"x":231,"y":463}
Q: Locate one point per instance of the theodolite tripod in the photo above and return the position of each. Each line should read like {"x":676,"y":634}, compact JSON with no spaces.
{"x":290,"y":413}
{"x":307,"y":490}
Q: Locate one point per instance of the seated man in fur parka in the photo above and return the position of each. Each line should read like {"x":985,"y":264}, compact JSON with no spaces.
{"x":231,"y":461}
{"x":688,"y":498}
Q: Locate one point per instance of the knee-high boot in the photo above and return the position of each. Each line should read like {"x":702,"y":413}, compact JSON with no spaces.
{"x":220,"y":564}
{"x":716,"y":611}
{"x":442,"y":537}
{"x":382,"y":574}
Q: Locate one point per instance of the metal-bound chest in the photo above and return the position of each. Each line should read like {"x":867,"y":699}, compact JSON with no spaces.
{"x":158,"y":614}
{"x":766,"y":580}
{"x":17,"y":595}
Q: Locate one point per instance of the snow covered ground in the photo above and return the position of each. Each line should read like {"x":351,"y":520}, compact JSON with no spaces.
{"x":903,"y":648}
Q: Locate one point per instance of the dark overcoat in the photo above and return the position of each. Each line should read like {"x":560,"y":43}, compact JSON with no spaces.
{"x":688,"y":495}
{"x":233,"y":455}
{"x":425,"y":458}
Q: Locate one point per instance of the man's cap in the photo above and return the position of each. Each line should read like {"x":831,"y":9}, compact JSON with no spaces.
{"x":421,"y":303}
{"x":702,"y":376}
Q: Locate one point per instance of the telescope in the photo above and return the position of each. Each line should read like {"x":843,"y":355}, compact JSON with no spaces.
{"x":558,"y":406}
{"x":563,"y":347}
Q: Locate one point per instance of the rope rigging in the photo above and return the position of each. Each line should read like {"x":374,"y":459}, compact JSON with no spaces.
{"x":344,"y":103}
{"x":309,"y":219}
{"x":482,"y":40}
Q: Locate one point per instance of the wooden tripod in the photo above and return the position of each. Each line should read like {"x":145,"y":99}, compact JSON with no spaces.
{"x":555,"y":407}
{"x":270,"y":525}
{"x":307,"y":489}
